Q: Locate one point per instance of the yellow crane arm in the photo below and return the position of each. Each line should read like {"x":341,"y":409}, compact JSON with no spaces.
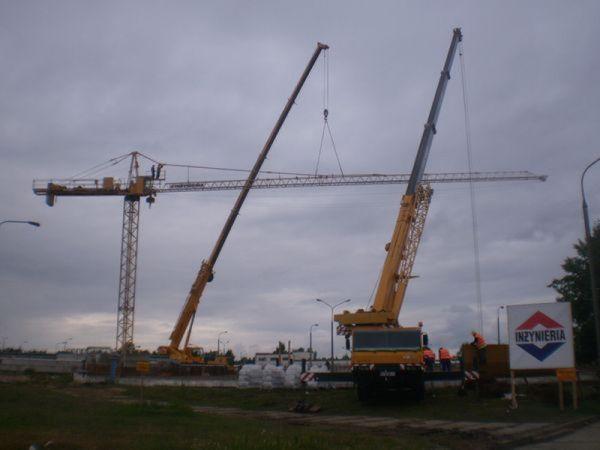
{"x":188,"y":313}
{"x":402,"y":249}
{"x":397,"y":268}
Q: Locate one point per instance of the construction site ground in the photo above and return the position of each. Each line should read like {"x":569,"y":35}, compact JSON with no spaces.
{"x":42,"y":408}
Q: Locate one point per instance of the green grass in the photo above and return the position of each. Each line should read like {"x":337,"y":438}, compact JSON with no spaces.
{"x":79,"y":417}
{"x":111,"y":417}
{"x":540,"y":403}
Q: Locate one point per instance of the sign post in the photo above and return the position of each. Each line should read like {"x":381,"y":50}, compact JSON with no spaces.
{"x":541,"y":337}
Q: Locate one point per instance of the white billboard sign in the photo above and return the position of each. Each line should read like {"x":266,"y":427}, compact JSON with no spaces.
{"x":540,"y":336}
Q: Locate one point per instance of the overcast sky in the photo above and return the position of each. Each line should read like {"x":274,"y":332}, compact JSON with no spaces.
{"x":204,"y":82}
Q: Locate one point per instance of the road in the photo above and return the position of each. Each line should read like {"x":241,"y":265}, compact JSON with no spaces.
{"x":586,"y":438}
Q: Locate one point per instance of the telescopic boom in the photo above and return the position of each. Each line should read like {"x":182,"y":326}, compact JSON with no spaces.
{"x":402,"y":249}
{"x":186,"y":318}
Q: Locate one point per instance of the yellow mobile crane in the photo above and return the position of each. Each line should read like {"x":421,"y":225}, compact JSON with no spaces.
{"x":386,"y":355}
{"x":205,"y":275}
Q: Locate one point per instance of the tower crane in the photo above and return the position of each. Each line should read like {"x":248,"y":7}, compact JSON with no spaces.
{"x":138,"y":186}
{"x":142,"y":184}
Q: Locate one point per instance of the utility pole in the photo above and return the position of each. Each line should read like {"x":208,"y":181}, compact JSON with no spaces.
{"x":498,"y":317}
{"x":310,"y":340}
{"x":219,"y":341}
{"x":591,"y":263}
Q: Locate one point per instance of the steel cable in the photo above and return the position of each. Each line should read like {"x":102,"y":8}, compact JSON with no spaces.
{"x":471,"y":190}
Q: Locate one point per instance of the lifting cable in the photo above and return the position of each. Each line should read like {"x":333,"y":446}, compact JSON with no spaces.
{"x":374,"y":288}
{"x":326,"y":114}
{"x":118,"y":159}
{"x":223,"y":169}
{"x":99,"y":167}
{"x":471,"y":190}
{"x":227,"y":169}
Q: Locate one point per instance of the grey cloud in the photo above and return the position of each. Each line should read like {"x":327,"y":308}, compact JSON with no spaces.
{"x":204,"y":83}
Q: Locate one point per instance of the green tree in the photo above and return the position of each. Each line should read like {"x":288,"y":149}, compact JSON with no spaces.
{"x":280,"y":348}
{"x":575,"y":287}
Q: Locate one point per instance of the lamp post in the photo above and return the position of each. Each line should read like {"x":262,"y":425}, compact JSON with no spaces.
{"x":225,"y":344}
{"x":332,"y":308}
{"x":28,"y":222}
{"x":498,"y":317}
{"x":219,"y":341}
{"x":310,"y":340}
{"x":591,"y":261}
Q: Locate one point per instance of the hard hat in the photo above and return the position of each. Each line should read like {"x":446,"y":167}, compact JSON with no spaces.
{"x":473,"y":332}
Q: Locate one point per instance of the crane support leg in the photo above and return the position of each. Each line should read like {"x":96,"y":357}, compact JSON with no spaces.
{"x":127,"y":274}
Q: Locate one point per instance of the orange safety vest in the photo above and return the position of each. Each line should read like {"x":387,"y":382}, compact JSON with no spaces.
{"x":444,"y":354}
{"x":428,"y":354}
{"x":479,"y":341}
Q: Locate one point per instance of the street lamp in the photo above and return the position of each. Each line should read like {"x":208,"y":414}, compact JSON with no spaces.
{"x":28,"y":222}
{"x":332,"y":308}
{"x":310,"y":340}
{"x":591,"y":262}
{"x":225,"y":344}
{"x":498,"y":317}
{"x":219,"y":341}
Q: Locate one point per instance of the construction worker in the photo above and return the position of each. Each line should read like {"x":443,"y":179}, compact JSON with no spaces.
{"x":445,"y":359}
{"x":428,"y":359}
{"x":480,"y":344}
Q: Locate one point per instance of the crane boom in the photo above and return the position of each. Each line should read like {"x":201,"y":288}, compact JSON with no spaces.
{"x":186,"y":317}
{"x":402,"y":249}
{"x":93,"y":187}
{"x":430,"y":126}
